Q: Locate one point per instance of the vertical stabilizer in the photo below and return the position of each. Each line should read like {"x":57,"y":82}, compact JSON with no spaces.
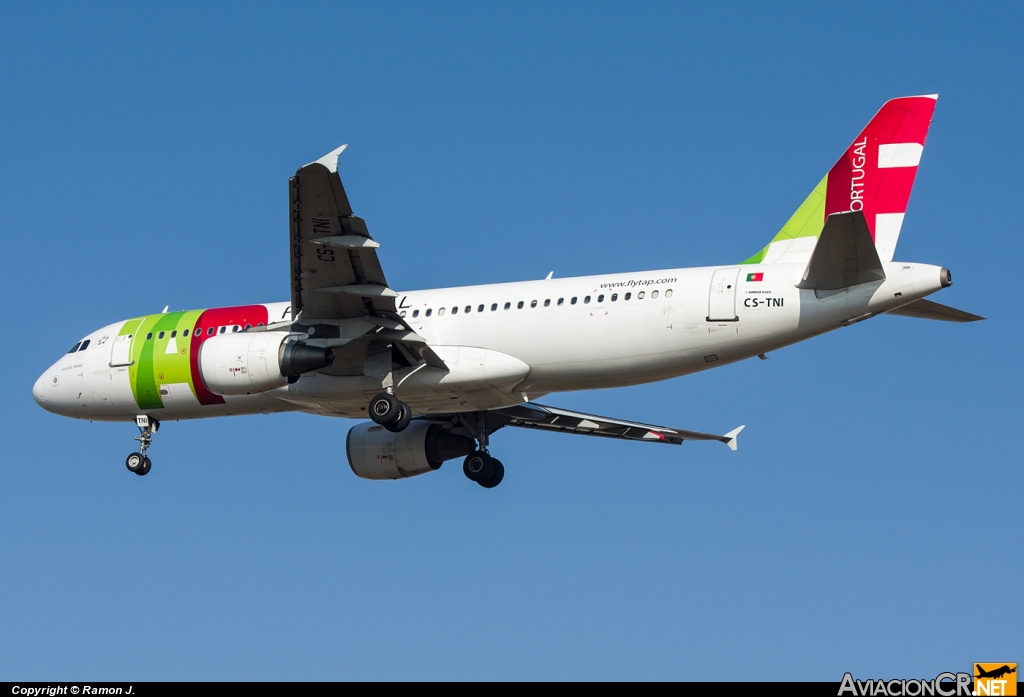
{"x":874,"y":175}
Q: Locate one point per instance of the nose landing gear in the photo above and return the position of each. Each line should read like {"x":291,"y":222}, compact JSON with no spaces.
{"x":138,"y":463}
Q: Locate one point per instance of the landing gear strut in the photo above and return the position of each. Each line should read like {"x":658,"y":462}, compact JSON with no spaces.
{"x":391,"y":413}
{"x":138,"y":462}
{"x":479,"y":466}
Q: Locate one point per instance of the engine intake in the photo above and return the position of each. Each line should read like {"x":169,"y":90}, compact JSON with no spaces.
{"x":376,"y":453}
{"x":248,"y":363}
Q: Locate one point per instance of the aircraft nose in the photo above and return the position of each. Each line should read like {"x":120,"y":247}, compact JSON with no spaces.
{"x":38,"y":390}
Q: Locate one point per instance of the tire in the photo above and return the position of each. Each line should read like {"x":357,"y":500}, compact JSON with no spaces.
{"x":403,"y":421}
{"x":495,"y":479}
{"x":384,"y":409}
{"x":147,"y":465}
{"x":478,"y":466}
{"x":134,"y":462}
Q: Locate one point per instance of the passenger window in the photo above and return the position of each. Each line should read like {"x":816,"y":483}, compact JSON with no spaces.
{"x":455,"y":310}
{"x":222,"y":329}
{"x":533,"y":303}
{"x":573,"y":301}
{"x":560,"y":301}
{"x":586,"y":300}
{"x":75,"y":347}
{"x":261,"y":324}
{"x":160,"y":335}
{"x":508,"y":305}
{"x":149,"y":336}
{"x":520,"y":305}
{"x":402,"y":313}
{"x":184,"y":332}
{"x":415,"y":313}
{"x":480,"y":308}
{"x":249,"y":326}
{"x":469,"y":308}
{"x":440,"y":311}
{"x":494,"y":306}
{"x":547,"y":303}
{"x":640,"y":295}
{"x":654,"y":294}
{"x":174,"y":333}
{"x":209,"y":331}
{"x":600,"y":298}
{"x":236,"y":328}
{"x":668,"y":293}
{"x":615,"y":296}
{"x":627,"y":296}
{"x":429,"y":310}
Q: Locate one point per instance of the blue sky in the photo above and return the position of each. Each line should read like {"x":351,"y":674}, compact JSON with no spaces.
{"x":867,"y":523}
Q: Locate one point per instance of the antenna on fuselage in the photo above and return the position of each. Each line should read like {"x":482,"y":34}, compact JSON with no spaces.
{"x":550,"y":274}
{"x":166,"y":308}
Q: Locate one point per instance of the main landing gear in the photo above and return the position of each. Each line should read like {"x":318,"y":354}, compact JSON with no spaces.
{"x":483,"y":469}
{"x":391,"y":413}
{"x":138,"y":462}
{"x":479,"y":466}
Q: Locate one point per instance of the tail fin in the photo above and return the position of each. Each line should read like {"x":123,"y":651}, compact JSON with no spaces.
{"x":874,"y":175}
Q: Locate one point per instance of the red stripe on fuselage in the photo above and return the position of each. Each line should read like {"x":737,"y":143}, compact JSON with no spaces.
{"x":215,"y":318}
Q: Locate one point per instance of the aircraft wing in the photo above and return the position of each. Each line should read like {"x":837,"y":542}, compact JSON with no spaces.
{"x":532,"y":415}
{"x":335,"y":273}
{"x":338,"y":287}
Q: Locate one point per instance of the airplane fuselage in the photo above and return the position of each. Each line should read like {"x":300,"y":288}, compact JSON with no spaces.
{"x":503,"y":344}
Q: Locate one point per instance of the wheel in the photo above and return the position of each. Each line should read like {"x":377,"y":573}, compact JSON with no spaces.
{"x":384,"y":409}
{"x":495,"y":479}
{"x":134,"y":462}
{"x":403,"y":421}
{"x":478,"y":466}
{"x":147,"y":465}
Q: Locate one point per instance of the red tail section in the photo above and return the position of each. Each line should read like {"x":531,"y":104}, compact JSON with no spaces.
{"x":876,"y":173}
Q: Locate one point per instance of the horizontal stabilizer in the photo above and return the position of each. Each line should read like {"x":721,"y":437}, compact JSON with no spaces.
{"x":926,"y":309}
{"x":844,"y":255}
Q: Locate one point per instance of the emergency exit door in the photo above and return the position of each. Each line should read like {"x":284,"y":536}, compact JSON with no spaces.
{"x":722,"y":297}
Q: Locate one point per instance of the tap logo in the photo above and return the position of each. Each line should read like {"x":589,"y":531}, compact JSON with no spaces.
{"x":995,"y":679}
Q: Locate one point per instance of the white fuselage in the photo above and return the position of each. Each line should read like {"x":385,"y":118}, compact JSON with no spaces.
{"x":512,"y":342}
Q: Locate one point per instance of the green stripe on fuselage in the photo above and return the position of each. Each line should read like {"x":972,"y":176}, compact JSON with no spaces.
{"x":154,"y":366}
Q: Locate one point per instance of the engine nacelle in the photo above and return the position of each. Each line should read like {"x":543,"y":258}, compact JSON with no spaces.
{"x":376,"y":453}
{"x":251,"y":362}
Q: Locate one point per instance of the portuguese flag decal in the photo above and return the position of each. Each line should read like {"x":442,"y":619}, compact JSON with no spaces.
{"x":755,"y":277}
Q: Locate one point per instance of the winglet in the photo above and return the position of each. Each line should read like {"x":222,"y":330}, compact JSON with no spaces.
{"x":330,"y":160}
{"x":730,"y":437}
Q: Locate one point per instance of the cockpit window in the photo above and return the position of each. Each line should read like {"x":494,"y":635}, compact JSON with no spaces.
{"x":84,"y":346}
{"x":75,"y":347}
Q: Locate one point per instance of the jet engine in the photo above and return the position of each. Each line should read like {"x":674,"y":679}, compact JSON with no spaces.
{"x":376,"y":453}
{"x":247,"y":363}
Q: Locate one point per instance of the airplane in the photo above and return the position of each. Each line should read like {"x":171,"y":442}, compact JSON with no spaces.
{"x":438,"y":371}
{"x":995,"y":673}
